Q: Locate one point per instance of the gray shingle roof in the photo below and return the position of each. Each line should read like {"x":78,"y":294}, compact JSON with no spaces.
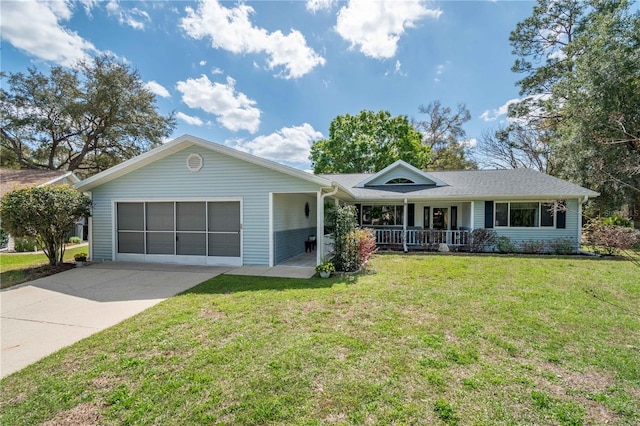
{"x":510,"y":183}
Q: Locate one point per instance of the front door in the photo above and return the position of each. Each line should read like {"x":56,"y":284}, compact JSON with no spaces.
{"x":440,"y":218}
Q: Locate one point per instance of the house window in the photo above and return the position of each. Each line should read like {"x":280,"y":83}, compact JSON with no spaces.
{"x":524,"y":215}
{"x":399,"y":181}
{"x":382,"y":215}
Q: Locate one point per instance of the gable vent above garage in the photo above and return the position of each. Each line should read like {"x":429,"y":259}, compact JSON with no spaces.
{"x":194,"y":162}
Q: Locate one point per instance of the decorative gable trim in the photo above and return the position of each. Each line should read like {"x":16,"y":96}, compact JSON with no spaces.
{"x":412,"y":172}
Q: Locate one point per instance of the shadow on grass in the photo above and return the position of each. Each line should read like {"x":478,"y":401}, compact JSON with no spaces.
{"x":587,"y":257}
{"x":227,"y":284}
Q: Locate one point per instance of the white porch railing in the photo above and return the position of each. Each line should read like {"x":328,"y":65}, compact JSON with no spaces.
{"x":424,"y":238}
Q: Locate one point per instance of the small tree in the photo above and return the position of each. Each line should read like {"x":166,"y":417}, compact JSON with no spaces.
{"x":47,"y":213}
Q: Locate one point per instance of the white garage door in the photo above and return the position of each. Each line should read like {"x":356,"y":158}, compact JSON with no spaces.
{"x":192,"y":232}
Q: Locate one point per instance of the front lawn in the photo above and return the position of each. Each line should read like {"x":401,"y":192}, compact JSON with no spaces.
{"x":16,"y":268}
{"x":421,"y":339}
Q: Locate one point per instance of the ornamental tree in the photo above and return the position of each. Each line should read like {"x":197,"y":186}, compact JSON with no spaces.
{"x":47,"y":213}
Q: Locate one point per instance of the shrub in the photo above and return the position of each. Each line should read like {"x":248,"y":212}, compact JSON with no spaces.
{"x":343,"y":222}
{"x":80,"y":257}
{"x":47,"y":213}
{"x":609,"y":239}
{"x":75,"y":240}
{"x":25,"y":244}
{"x":482,"y":238}
{"x":562,"y":246}
{"x":366,"y":240}
{"x":532,"y":247}
{"x":617,"y":221}
{"x":505,"y":245}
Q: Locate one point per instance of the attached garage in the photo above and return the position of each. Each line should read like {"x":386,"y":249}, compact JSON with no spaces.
{"x":192,"y":232}
{"x":191,"y":201}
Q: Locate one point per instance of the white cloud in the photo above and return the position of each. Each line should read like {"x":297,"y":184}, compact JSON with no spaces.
{"x":290,"y":144}
{"x":231,"y":29}
{"x":157,"y":89}
{"x":194,"y":121}
{"x":135,"y":18}
{"x":469,"y":143}
{"x":203,"y":63}
{"x":314,"y":6}
{"x":34,"y":27}
{"x":234,"y":111}
{"x":440,"y":69}
{"x":494,"y":114}
{"x":216,"y":70}
{"x":376,"y":26}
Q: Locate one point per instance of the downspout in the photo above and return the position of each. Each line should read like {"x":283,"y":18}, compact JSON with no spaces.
{"x":320,"y":218}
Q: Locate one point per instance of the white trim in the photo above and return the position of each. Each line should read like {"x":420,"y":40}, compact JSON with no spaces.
{"x":319,"y":228}
{"x":271,"y":241}
{"x":404,"y":164}
{"x":186,"y":141}
{"x":579,"y":223}
{"x":473,"y":215}
{"x":71,"y":175}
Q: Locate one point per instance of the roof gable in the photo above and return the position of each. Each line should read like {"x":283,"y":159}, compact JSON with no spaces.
{"x":400,"y":173}
{"x":181,"y":143}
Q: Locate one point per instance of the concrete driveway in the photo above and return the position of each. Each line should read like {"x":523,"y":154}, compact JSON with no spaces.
{"x":45,"y":315}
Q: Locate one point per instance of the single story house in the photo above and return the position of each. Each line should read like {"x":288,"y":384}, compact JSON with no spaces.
{"x":12,"y":179}
{"x":197,"y":202}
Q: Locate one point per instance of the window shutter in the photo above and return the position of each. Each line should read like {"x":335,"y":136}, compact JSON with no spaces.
{"x":411,"y":214}
{"x":488,"y":214}
{"x":359,"y":214}
{"x":561,"y":219}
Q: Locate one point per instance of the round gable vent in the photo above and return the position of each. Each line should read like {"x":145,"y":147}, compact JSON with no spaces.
{"x":194,"y":162}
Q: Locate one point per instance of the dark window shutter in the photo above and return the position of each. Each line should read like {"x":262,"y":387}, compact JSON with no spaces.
{"x":359,"y":213}
{"x":561,"y":219}
{"x":411,"y":215}
{"x":488,"y":214}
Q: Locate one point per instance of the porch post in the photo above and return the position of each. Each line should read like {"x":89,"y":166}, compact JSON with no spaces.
{"x":320,"y":228}
{"x":405,"y":219}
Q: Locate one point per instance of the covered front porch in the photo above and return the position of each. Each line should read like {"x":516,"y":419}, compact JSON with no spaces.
{"x":418,"y":225}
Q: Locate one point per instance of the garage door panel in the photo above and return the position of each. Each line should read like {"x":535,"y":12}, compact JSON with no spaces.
{"x":191,"y":244}
{"x":191,"y":216}
{"x":160,"y":243}
{"x":131,"y":242}
{"x":225,"y":245}
{"x":130,"y":216}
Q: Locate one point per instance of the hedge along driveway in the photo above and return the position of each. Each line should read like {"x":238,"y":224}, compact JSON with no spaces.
{"x":47,"y":314}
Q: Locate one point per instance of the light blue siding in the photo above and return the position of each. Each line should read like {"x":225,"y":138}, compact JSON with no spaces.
{"x":221,"y":176}
{"x":535,"y":234}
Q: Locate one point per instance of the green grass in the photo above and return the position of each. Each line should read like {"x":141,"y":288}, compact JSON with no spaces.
{"x":420,"y":339}
{"x":16,"y":268}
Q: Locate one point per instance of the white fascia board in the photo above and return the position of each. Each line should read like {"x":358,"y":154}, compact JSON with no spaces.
{"x":404,"y":164}
{"x":183,"y":142}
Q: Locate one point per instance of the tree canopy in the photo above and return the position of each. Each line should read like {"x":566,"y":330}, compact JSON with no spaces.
{"x":367,"y":143}
{"x":581,"y":66}
{"x":47,"y":213}
{"x":443,"y":133}
{"x":85,"y":119}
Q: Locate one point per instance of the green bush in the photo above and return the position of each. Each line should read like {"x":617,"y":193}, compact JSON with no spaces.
{"x":617,"y":221}
{"x":4,"y":238}
{"x":505,"y":245}
{"x":532,"y":247}
{"x":562,"y":246}
{"x":482,"y":239}
{"x":25,"y":244}
{"x":75,"y":240}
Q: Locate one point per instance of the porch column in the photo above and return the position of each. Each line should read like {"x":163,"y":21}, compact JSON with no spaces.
{"x":405,"y":219}
{"x":319,"y":227}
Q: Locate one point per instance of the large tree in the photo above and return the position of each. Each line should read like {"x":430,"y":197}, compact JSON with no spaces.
{"x":443,"y":133}
{"x":514,"y":147}
{"x":367,"y":143}
{"x":85,"y":119}
{"x":47,"y":213}
{"x":582,"y":86}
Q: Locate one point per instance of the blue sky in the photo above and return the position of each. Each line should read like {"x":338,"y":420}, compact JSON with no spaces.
{"x":268,"y":77}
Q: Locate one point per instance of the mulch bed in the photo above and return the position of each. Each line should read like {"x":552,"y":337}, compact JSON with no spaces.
{"x":30,"y":274}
